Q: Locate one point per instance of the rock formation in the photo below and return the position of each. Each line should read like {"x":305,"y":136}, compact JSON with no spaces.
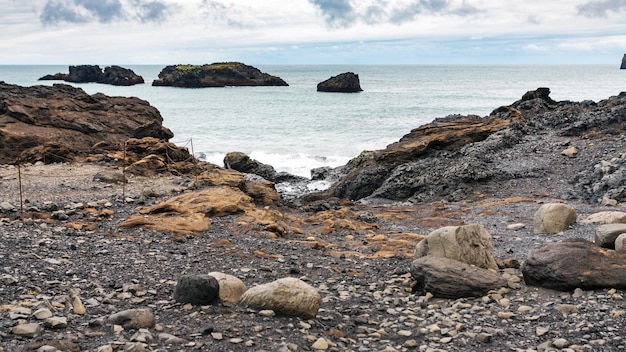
{"x":65,"y":121}
{"x":572,"y":264}
{"x":347,"y":82}
{"x":215,"y":75}
{"x":114,"y":75}
{"x":461,"y":157}
{"x":623,"y":66}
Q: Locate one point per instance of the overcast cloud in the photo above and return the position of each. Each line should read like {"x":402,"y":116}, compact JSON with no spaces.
{"x":312,"y":31}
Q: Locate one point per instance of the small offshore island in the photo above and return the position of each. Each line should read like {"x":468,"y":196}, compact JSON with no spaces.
{"x":220,"y":74}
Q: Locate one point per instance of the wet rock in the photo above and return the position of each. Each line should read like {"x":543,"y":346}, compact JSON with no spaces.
{"x":554,"y":218}
{"x":471,"y":244}
{"x":197,"y":289}
{"x":287,"y":296}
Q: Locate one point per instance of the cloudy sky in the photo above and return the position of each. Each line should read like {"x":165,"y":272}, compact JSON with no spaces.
{"x":312,"y":31}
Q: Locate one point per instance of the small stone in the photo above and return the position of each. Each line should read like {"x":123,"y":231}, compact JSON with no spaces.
{"x":171,"y":339}
{"x":27,"y":330}
{"x":566,"y":309}
{"x":134,"y":318}
{"x":484,"y":337}
{"x":560,"y":343}
{"x":321,"y":344}
{"x":515,"y":227}
{"x":42,"y":313}
{"x":267,"y":313}
{"x":56,"y":322}
{"x":217,"y":336}
{"x":78,"y":306}
{"x":524,"y":309}
{"x":236,"y":340}
{"x":405,"y":333}
{"x":540,"y":331}
{"x":410,"y":344}
{"x":570,"y":152}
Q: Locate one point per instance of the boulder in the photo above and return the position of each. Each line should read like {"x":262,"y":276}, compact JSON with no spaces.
{"x":62,"y":122}
{"x":215,"y":75}
{"x":231,"y":288}
{"x":575,"y":263}
{"x":605,"y":217}
{"x":606,"y":235}
{"x":553,"y":218}
{"x":120,"y":76}
{"x":288,"y":296}
{"x":470,"y":244}
{"x":27,"y":330}
{"x":448,"y":278}
{"x":620,"y":243}
{"x":200,"y":290}
{"x":138,"y":318}
{"x":347,"y":82}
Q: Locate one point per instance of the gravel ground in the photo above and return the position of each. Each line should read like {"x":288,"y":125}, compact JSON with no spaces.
{"x":367,"y":302}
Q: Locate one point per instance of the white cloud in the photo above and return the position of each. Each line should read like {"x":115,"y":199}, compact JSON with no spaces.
{"x":170,"y":31}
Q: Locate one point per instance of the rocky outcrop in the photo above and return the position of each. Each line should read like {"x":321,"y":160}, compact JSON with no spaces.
{"x":344,"y":83}
{"x":120,"y":76}
{"x":114,"y":75}
{"x":63,"y":122}
{"x":243,"y":163}
{"x":215,"y":75}
{"x":572,"y":264}
{"x":463,"y":157}
{"x":623,"y":66}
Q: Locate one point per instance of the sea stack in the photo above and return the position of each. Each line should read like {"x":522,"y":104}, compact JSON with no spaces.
{"x":623,"y":67}
{"x":220,"y":74}
{"x":347,"y":82}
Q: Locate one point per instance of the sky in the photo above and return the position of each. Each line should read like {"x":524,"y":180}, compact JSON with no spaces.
{"x":312,"y":31}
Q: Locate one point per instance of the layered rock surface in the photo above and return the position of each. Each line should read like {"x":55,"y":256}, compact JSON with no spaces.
{"x":461,"y":157}
{"x":215,"y":75}
{"x":66,"y":121}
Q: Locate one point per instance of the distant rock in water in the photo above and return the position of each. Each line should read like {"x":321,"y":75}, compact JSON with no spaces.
{"x":114,"y":75}
{"x":623,"y":62}
{"x":215,"y":75}
{"x":344,"y":83}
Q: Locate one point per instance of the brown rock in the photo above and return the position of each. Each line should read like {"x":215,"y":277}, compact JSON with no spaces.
{"x":67,"y":121}
{"x":448,"y":278}
{"x":575,"y":263}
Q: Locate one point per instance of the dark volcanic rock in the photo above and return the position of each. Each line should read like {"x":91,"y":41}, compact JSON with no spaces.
{"x":243,"y":163}
{"x":84,"y":74}
{"x":463,"y":157}
{"x":55,"y":77}
{"x":197,"y":289}
{"x":63,"y":120}
{"x":114,"y":75}
{"x":215,"y":75}
{"x":119,"y":76}
{"x":623,"y":66}
{"x":575,"y":263}
{"x":344,"y":83}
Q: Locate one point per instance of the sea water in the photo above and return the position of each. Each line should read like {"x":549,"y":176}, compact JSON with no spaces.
{"x":296,"y":128}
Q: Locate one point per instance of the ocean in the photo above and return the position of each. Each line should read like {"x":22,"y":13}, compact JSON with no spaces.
{"x":296,"y":128}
